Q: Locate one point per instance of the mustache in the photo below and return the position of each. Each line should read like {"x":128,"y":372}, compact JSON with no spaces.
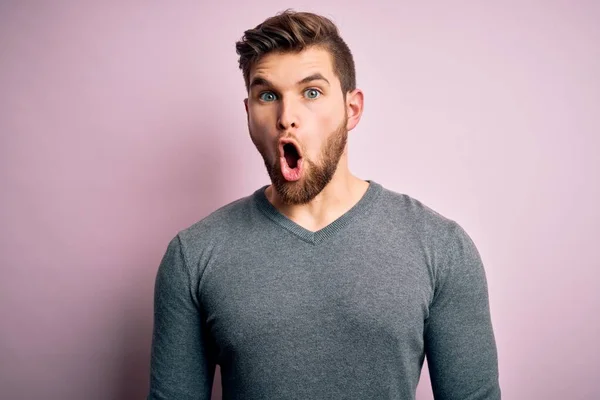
{"x":289,"y":135}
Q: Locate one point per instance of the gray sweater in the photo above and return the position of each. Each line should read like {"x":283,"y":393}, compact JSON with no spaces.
{"x":347,"y":312}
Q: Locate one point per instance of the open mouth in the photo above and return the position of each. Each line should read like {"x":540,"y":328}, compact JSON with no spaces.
{"x":291,"y":160}
{"x":290,"y":152}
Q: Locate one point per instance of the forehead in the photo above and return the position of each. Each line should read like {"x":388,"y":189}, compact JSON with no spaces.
{"x":289,"y":68}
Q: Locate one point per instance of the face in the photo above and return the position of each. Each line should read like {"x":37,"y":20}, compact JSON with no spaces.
{"x":298,"y":120}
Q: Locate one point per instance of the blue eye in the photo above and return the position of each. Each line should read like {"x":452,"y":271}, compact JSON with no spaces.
{"x":267,"y":96}
{"x":312,"y":93}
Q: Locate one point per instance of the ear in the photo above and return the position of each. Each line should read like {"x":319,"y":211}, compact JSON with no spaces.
{"x":354,"y":107}
{"x":246,"y":106}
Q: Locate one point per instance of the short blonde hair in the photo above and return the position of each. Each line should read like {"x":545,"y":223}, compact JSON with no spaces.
{"x":292,"y":31}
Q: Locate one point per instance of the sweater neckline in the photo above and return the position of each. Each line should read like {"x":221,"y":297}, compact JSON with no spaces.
{"x":328,"y":231}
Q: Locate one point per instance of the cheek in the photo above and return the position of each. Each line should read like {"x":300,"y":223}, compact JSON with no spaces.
{"x":261,"y":131}
{"x":261,"y":118}
{"x":257,"y":124}
{"x":328,"y":116}
{"x":328,"y":122}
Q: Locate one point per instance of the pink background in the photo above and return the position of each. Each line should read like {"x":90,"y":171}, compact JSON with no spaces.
{"x":122,"y":124}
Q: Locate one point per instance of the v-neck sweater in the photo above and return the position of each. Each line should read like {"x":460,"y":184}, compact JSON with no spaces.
{"x":347,"y":312}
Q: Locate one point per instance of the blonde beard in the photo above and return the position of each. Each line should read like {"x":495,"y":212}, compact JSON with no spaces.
{"x":316,"y":175}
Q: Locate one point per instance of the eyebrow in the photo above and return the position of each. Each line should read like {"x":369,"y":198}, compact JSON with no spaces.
{"x":313,"y":77}
{"x":260,"y":81}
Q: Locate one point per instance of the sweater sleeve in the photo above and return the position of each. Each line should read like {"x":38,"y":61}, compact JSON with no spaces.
{"x":181,"y":367}
{"x":459,"y":340}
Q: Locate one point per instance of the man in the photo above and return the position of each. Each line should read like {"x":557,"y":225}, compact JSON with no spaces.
{"x":320,"y":285}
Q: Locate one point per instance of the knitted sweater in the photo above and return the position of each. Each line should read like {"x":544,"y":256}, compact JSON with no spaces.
{"x":347,"y":312}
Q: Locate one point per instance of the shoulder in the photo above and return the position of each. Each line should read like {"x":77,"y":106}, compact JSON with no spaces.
{"x":446,"y":243}
{"x":415,"y":215}
{"x":214,"y":231}
{"x":220,"y":221}
{"x":435,"y":232}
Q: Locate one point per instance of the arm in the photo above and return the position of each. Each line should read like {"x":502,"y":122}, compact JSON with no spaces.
{"x":181,"y":366}
{"x":459,"y":340}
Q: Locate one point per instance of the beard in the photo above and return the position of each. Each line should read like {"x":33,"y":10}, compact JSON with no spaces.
{"x":316,"y":174}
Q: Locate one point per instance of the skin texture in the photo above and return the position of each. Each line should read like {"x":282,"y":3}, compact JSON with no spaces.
{"x":316,"y":117}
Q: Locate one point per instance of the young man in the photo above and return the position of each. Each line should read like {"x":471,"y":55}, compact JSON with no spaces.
{"x":320,"y":285}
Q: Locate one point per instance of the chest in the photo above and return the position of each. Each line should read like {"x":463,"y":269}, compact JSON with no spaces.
{"x":253,"y":299}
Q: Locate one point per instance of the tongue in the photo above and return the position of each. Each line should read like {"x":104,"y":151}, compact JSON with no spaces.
{"x":291,"y":173}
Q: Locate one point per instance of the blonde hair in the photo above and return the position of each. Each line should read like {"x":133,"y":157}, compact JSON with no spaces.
{"x":292,"y":31}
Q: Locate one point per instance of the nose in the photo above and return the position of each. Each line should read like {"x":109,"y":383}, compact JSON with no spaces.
{"x":288,"y":116}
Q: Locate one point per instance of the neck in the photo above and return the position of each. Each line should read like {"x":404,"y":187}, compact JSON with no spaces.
{"x":340,"y":195}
